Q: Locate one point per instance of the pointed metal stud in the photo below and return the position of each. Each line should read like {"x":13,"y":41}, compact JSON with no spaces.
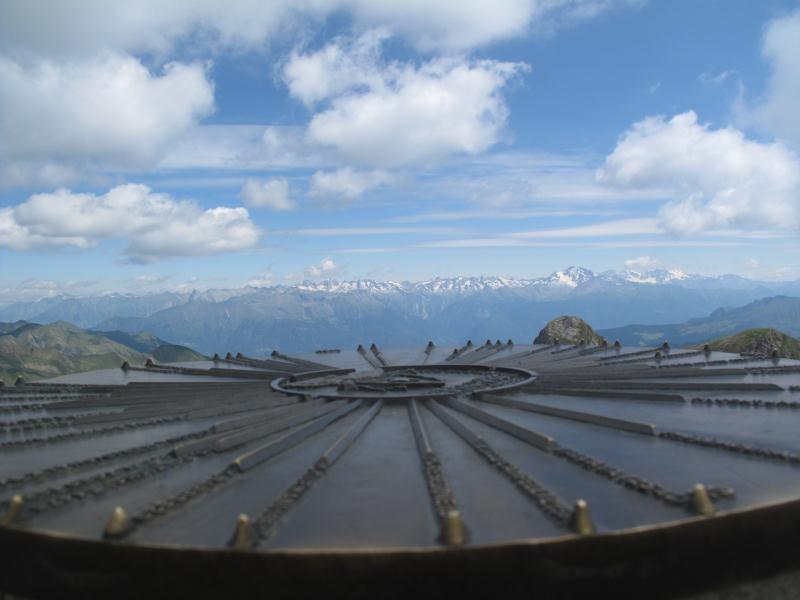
{"x":454,"y":531}
{"x":148,"y":363}
{"x":215,"y":358}
{"x":19,"y":381}
{"x":229,"y":356}
{"x":117,"y":525}
{"x":701,"y":503}
{"x":581,"y":521}
{"x":469,"y":344}
{"x":243,"y":535}
{"x":14,"y":507}
{"x":125,"y":366}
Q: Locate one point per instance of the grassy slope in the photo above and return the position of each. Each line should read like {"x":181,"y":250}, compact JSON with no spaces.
{"x":41,"y":351}
{"x":168,"y":353}
{"x":760,"y":342}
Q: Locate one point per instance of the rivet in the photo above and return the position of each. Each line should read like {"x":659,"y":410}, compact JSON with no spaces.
{"x":581,"y":521}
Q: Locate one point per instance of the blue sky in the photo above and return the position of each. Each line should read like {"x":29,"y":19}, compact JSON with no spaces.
{"x":200,"y":145}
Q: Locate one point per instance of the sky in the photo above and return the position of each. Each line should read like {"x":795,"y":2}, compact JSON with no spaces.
{"x":198,"y":144}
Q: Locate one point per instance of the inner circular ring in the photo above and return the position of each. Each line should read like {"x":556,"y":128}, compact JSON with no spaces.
{"x":405,"y":382}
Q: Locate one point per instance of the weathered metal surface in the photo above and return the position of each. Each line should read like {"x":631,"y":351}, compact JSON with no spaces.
{"x":566,"y":468}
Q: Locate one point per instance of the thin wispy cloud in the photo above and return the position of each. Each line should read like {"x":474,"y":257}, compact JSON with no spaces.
{"x":359,"y":231}
{"x":622,"y":227}
{"x":715,"y":79}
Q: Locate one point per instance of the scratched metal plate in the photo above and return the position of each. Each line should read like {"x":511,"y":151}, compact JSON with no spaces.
{"x":381,"y":449}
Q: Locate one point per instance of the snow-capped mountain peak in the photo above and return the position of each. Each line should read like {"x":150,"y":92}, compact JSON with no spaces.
{"x":570,"y":277}
{"x":444,"y":285}
{"x":655,"y":276}
{"x":332,"y":286}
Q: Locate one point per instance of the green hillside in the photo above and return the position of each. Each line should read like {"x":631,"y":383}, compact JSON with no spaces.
{"x":34,"y":351}
{"x":170,"y":353}
{"x":780,"y":312}
{"x":759,"y":342}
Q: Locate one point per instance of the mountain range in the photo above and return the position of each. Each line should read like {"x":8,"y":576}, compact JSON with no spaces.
{"x":331,"y":313}
{"x":778,"y":312}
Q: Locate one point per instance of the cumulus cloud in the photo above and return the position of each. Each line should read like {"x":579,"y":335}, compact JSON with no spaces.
{"x":326,"y":267}
{"x":272,"y":194}
{"x":777,"y":110}
{"x":337,"y":68}
{"x":394,"y":114}
{"x":719,"y":177}
{"x":80,"y":27}
{"x":347,"y":183}
{"x":109,"y":110}
{"x":643,"y":263}
{"x":155,"y":225}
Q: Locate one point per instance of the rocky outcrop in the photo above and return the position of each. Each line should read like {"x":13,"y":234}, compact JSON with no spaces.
{"x":568,"y":330}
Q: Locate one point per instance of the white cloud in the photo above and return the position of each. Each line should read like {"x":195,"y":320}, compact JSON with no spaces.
{"x":643,"y":263}
{"x":337,"y":68}
{"x":454,"y":25}
{"x":263,"y":280}
{"x":347,"y":183}
{"x":108,"y":111}
{"x":394,"y":114}
{"x":718,"y":177}
{"x":155,"y":225}
{"x":420,"y":115}
{"x":326,"y":267}
{"x":81,"y":27}
{"x":244,"y":147}
{"x":75,"y":103}
{"x":150,"y":280}
{"x":272,"y":194}
{"x":777,"y":110}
